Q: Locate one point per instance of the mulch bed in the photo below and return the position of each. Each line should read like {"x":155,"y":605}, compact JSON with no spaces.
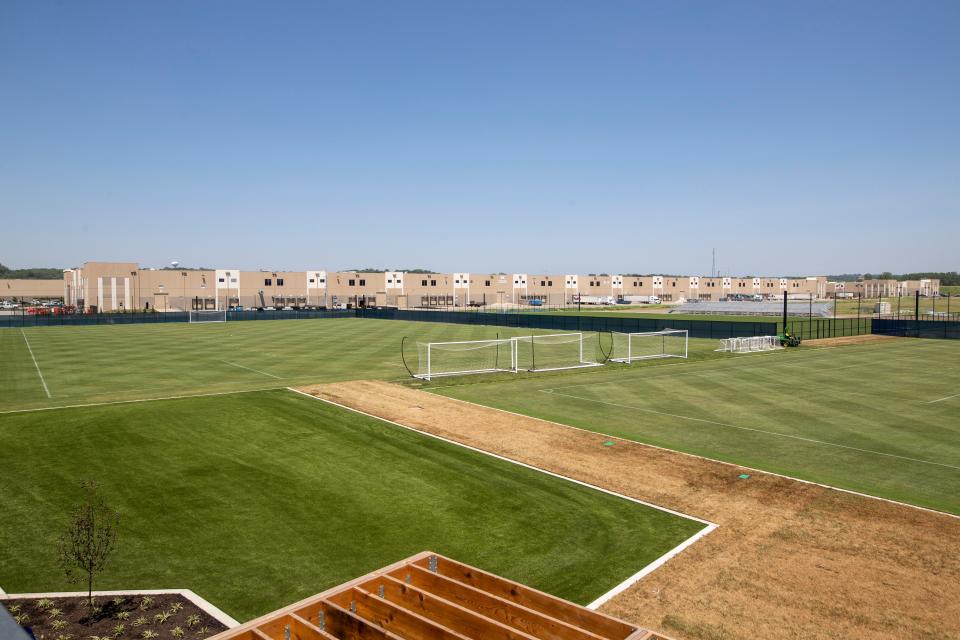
{"x":166,"y":616}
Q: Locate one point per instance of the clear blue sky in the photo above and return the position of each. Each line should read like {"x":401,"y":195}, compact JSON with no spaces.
{"x":795,"y":137}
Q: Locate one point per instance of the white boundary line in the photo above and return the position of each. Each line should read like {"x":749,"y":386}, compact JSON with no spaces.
{"x":34,"y":358}
{"x":734,"y":426}
{"x":263,"y":373}
{"x":201,"y":603}
{"x":723,"y":462}
{"x":956,"y":395}
{"x":709,"y":526}
{"x":136,"y":400}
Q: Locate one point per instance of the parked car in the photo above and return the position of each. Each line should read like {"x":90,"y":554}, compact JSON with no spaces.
{"x":9,"y":305}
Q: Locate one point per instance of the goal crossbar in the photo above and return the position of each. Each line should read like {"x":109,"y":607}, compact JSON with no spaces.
{"x":646,"y":345}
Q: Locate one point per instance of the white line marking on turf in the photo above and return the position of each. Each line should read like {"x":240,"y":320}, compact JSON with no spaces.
{"x":136,"y":400}
{"x":656,"y":564}
{"x":714,"y":460}
{"x":771,"y":433}
{"x":263,"y":373}
{"x":39,"y":373}
{"x":956,"y":395}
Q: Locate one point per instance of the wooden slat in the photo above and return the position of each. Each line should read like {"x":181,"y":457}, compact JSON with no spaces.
{"x":341,"y":624}
{"x":449,"y":614}
{"x":299,"y":629}
{"x":582,"y":617}
{"x":510,"y":613}
{"x":393,"y":618}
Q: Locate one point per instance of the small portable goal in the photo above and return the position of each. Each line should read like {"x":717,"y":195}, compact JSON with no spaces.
{"x":208,"y":316}
{"x":667,"y":343}
{"x":750,"y":345}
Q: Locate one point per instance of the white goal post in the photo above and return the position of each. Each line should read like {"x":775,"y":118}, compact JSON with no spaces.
{"x":555,"y":351}
{"x":208,"y":316}
{"x":435,"y":359}
{"x":667,"y":343}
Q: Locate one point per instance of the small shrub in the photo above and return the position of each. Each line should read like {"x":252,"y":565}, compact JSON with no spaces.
{"x":177,"y":632}
{"x":119,"y":628}
{"x":21,"y":618}
{"x":203,"y":631}
{"x":14,"y":608}
{"x":176,"y":606}
{"x":58,"y":625}
{"x":119,"y":600}
{"x":193,"y":620}
{"x":149,"y":634}
{"x":43,"y":603}
{"x":139,"y":622}
{"x":145,"y":602}
{"x":55,"y":612}
{"x":123,"y":615}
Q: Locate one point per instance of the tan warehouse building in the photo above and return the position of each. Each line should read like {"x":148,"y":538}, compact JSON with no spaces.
{"x":117,"y":286}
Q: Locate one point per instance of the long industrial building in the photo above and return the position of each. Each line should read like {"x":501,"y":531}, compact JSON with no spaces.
{"x":115,"y":286}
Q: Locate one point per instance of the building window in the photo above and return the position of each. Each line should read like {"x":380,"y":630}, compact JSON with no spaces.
{"x":363,"y":283}
{"x":322,"y":280}
{"x":351,"y":282}
{"x":267,"y":282}
{"x":311,"y":280}
{"x":549,"y":283}
{"x":279,"y":282}
{"x":486,"y":283}
{"x":423,"y":283}
{"x":433,"y":283}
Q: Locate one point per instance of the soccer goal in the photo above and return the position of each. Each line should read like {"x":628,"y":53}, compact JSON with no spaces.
{"x":555,"y":351}
{"x":435,"y":359}
{"x":751,"y":344}
{"x":667,"y":343}
{"x":208,"y":316}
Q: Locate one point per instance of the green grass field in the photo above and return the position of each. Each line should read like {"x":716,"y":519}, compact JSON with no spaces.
{"x":126,"y":362}
{"x":270,"y":488}
{"x":255,"y":500}
{"x":882,"y":419}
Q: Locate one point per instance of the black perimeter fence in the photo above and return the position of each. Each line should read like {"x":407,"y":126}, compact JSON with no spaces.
{"x":939,"y":326}
{"x":53,"y":320}
{"x":696,"y":328}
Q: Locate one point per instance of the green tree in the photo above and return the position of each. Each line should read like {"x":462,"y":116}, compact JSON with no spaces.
{"x":90,"y":538}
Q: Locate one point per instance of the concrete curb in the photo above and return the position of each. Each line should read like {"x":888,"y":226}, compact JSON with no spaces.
{"x":200,"y":603}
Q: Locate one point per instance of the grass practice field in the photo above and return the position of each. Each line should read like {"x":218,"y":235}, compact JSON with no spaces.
{"x":882,"y":419}
{"x":56,"y":366}
{"x":271,"y":488}
{"x":256,"y":500}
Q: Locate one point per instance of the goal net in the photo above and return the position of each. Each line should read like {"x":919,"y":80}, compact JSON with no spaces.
{"x":668,"y":343}
{"x":436,"y":359}
{"x":751,"y":344}
{"x":554,"y":351}
{"x":208,"y":316}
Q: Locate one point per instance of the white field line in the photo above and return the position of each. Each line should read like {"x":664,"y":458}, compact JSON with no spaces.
{"x":39,"y":373}
{"x":263,"y":373}
{"x":136,"y":400}
{"x":956,"y":395}
{"x":709,"y":526}
{"x":201,"y":603}
{"x":769,"y":433}
{"x":714,"y":460}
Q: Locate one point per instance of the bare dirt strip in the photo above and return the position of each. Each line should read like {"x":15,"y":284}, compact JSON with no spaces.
{"x":789,"y":559}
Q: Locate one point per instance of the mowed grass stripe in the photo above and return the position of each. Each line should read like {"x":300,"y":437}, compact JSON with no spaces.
{"x":796,"y":401}
{"x":292,"y":495}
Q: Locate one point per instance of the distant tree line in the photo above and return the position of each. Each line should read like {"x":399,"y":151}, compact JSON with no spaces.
{"x":38,"y":273}
{"x":946,"y":278}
